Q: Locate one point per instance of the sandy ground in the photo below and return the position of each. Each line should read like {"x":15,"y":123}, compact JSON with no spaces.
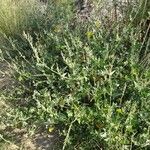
{"x":38,"y":141}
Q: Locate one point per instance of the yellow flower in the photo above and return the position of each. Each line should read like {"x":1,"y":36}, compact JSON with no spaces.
{"x":89,"y":34}
{"x":120,"y":111}
{"x":50,"y":129}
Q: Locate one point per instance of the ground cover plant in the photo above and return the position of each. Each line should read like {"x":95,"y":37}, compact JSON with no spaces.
{"x":86,"y":75}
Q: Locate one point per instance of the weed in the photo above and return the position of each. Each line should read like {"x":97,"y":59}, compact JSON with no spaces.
{"x":88,"y":80}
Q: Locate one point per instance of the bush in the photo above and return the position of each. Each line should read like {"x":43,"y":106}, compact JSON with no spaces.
{"x":88,"y":80}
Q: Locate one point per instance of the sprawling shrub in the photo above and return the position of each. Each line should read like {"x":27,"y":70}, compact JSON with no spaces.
{"x":87,"y":80}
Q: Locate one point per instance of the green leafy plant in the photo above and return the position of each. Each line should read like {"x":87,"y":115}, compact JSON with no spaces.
{"x":88,"y":80}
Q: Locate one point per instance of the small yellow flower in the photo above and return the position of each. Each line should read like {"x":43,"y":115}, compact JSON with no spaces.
{"x":50,"y":129}
{"x":89,"y":34}
{"x":120,"y":111}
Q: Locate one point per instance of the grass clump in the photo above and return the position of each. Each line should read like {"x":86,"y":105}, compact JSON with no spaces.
{"x":89,"y":81}
{"x":16,"y":16}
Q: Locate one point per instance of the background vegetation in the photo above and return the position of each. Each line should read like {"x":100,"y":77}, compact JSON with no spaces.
{"x":83,"y":71}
